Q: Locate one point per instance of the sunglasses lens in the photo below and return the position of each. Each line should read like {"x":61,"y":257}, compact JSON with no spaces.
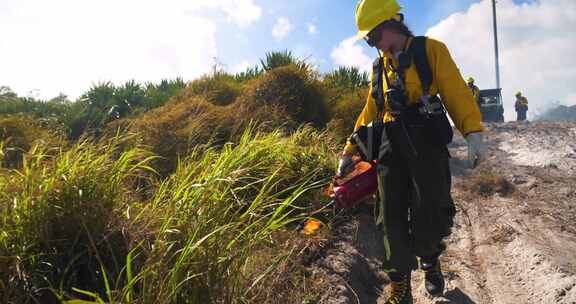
{"x":367,"y":39}
{"x":372,"y":38}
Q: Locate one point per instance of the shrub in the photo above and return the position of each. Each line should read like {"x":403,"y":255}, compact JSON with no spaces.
{"x":158,"y":94}
{"x":291,"y":90}
{"x":219,"y":88}
{"x":283,"y":97}
{"x":344,"y":110}
{"x":20,"y":133}
{"x":173,"y":130}
{"x":346,"y":78}
{"x":274,"y":60}
{"x":249,"y":74}
{"x":105,"y":102}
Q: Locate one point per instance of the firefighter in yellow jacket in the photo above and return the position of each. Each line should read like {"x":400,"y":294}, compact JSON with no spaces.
{"x":521,"y":107}
{"x":415,"y":205}
{"x":475,"y":90}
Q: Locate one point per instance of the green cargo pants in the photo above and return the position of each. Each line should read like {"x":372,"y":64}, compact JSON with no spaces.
{"x":415,"y":201}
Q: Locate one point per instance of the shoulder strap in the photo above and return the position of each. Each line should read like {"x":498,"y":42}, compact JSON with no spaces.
{"x":377,"y":84}
{"x":417,"y":50}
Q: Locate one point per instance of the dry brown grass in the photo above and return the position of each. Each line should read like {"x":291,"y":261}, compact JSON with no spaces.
{"x":283,"y":98}
{"x":290,"y":90}
{"x":291,"y":281}
{"x":20,"y":133}
{"x":219,"y":89}
{"x":175,"y":128}
{"x":344,"y":108}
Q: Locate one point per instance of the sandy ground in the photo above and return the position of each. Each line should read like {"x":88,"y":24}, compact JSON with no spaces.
{"x":515,"y":246}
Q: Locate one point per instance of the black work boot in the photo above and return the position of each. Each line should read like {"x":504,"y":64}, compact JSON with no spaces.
{"x":401,"y":292}
{"x":433,"y":279}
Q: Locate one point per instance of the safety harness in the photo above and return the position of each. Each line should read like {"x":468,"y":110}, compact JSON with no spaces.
{"x":415,"y":53}
{"x":429,"y":110}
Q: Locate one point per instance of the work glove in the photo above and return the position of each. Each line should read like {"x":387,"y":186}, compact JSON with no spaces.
{"x":476,"y":149}
{"x":345,"y":164}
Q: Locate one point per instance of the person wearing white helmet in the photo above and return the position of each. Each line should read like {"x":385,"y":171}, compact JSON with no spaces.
{"x":414,"y":85}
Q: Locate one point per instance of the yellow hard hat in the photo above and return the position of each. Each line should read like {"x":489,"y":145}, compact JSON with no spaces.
{"x":370,"y":13}
{"x":470,"y":80}
{"x":518,"y":94}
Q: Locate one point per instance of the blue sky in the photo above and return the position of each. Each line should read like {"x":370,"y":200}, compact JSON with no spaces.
{"x":65,"y":46}
{"x":237,"y":32}
{"x":334,"y":22}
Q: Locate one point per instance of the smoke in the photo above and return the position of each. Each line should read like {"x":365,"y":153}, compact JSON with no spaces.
{"x":537,"y":44}
{"x":558,"y":112}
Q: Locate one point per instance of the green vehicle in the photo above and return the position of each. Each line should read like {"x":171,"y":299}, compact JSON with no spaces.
{"x":490,"y":102}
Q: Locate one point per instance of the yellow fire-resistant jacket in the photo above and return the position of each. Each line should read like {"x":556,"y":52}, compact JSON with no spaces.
{"x":475,"y":92}
{"x":521,"y":104}
{"x":447,"y":81}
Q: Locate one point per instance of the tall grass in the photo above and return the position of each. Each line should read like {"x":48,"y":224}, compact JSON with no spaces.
{"x":218,"y":208}
{"x":78,"y":224}
{"x":61,"y":212}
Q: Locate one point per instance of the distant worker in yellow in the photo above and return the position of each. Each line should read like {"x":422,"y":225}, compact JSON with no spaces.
{"x":521,"y":106}
{"x":404,"y":129}
{"x":475,"y":90}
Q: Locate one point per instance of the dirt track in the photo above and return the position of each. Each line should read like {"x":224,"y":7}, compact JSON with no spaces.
{"x":514,"y":239}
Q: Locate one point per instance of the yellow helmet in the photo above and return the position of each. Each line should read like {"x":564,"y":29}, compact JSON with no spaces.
{"x":518,"y":94}
{"x":370,"y":13}
{"x":470,"y":80}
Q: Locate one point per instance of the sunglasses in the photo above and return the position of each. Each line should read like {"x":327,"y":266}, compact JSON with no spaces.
{"x":374,"y":35}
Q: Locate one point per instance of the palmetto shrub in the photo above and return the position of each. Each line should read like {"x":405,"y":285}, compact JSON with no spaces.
{"x":158,"y":94}
{"x":346,"y":78}
{"x":248,"y":74}
{"x":274,"y":60}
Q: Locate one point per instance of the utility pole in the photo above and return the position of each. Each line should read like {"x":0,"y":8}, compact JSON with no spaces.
{"x":496,"y":43}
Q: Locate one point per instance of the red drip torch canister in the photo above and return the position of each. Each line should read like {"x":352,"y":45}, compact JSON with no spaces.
{"x":358,"y":185}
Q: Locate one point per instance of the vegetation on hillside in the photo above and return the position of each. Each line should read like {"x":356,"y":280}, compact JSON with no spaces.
{"x":102,"y":103}
{"x":95,"y":218}
{"x":172,"y":192}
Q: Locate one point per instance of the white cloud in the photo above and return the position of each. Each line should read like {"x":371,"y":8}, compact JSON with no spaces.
{"x":349,"y":53}
{"x":282,"y":28}
{"x":243,"y":12}
{"x":66,"y":45}
{"x":312,"y":29}
{"x":537,"y":43}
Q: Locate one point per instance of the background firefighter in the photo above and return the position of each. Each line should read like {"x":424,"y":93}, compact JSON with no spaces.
{"x":521,"y":106}
{"x":475,"y":90}
{"x":415,"y":203}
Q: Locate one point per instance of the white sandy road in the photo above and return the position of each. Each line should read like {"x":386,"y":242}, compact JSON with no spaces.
{"x":517,"y":248}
